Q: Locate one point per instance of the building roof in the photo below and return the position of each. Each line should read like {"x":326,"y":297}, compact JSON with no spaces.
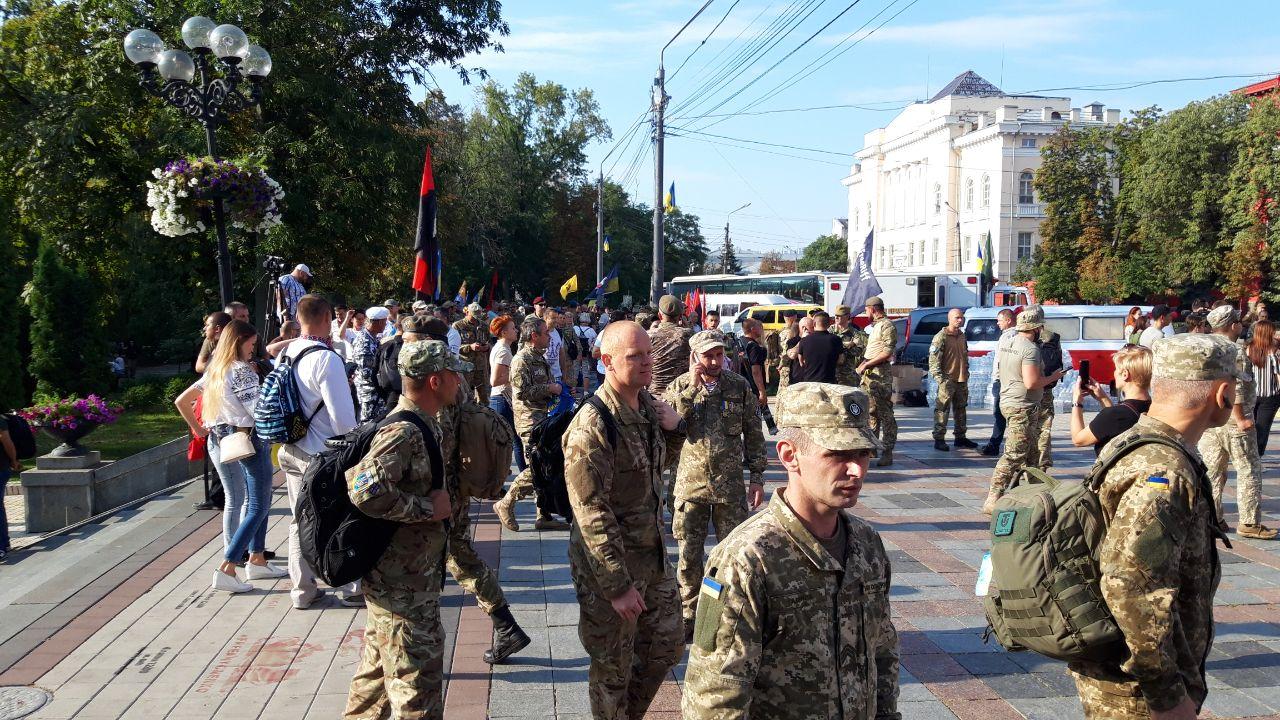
{"x":970,"y":84}
{"x":1259,"y":89}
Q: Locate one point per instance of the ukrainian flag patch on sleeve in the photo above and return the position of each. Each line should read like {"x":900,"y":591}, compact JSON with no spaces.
{"x":1158,"y":483}
{"x":711,"y":588}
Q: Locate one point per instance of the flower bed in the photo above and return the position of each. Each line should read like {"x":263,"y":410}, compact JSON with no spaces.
{"x":185,"y":190}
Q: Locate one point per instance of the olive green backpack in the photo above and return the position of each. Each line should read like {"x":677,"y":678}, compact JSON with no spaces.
{"x":1046,"y":534}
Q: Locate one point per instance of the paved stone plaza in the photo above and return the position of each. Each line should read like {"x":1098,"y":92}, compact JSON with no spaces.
{"x":116,"y":620}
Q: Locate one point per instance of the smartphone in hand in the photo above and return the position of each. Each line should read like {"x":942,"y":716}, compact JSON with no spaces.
{"x":1085,"y":380}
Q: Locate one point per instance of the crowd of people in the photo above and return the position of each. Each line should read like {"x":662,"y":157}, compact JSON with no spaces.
{"x":668,"y":429}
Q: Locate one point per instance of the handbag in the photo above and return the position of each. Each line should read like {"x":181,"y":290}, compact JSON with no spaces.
{"x":236,"y":446}
{"x":197,"y":448}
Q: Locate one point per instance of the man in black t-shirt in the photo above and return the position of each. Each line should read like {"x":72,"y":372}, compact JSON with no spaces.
{"x":819,"y":353}
{"x":751,"y":365}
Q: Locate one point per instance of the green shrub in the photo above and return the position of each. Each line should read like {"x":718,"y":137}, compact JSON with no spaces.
{"x":144,"y":396}
{"x":175,"y":385}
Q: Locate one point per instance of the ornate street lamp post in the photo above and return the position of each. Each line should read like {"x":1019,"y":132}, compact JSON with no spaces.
{"x":189,"y":84}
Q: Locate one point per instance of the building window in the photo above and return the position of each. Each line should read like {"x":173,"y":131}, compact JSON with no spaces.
{"x":855,"y":224}
{"x":968,"y":248}
{"x":1028,"y":142}
{"x":986,"y":191}
{"x":911,"y":251}
{"x":968,"y":194}
{"x":935,"y":251}
{"x":882,"y":256}
{"x":937,"y":199}
{"x":868,"y":214}
{"x":1024,"y":245}
{"x":1026,"y":191}
{"x":920,"y":257}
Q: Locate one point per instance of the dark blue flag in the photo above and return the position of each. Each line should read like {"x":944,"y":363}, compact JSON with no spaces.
{"x":862,"y":282}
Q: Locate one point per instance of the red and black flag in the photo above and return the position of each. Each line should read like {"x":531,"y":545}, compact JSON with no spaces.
{"x":426,"y":267}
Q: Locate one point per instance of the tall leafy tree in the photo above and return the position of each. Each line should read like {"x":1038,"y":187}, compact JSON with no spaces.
{"x":68,"y":353}
{"x":827,"y":252}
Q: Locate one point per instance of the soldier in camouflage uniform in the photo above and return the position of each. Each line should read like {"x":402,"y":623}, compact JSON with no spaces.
{"x":474,"y":331}
{"x":670,"y":342}
{"x":533,"y":390}
{"x":629,"y":605}
{"x":402,"y":663}
{"x":1019,"y":399}
{"x":855,"y":346}
{"x":778,"y":354}
{"x":1159,"y":565}
{"x":1236,"y":439}
{"x":364,"y":353}
{"x":877,"y":378}
{"x":949,"y":367}
{"x":1041,"y":456}
{"x":793,"y":614}
{"x":722,"y":425}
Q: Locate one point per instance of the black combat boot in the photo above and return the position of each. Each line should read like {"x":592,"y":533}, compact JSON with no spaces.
{"x":940,"y":445}
{"x":966,"y":443}
{"x":508,"y":638}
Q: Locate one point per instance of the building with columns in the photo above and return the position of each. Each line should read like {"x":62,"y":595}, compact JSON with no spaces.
{"x":944,"y":173}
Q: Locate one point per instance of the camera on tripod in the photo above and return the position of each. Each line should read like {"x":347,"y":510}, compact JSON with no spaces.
{"x":275,"y":264}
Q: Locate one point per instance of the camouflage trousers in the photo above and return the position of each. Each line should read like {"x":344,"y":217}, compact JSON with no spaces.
{"x":1042,"y":454}
{"x":1020,"y":436}
{"x":465,"y":564}
{"x":1105,"y":700}
{"x":522,"y":487}
{"x":1219,"y":444}
{"x":953,"y":396}
{"x":883,"y":424}
{"x":479,"y":382}
{"x":629,"y":660}
{"x":784,"y":375}
{"x":689,"y":525}
{"x":402,"y":663}
{"x":584,"y":368}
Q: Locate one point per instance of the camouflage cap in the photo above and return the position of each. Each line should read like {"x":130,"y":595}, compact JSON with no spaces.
{"x":706,"y":340}
{"x":1031,"y":318}
{"x":1192,"y":356}
{"x":423,"y":357}
{"x":420,"y":306}
{"x":415,"y":323}
{"x":842,"y":310}
{"x":833,"y":416}
{"x":475,"y":308}
{"x":1221,"y":317}
{"x":669,"y":305}
{"x":874,"y":301}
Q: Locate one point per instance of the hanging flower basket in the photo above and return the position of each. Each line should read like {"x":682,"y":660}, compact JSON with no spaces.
{"x":181,"y":197}
{"x":70,"y":419}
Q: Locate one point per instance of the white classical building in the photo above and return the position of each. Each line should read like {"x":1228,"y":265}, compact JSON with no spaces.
{"x":946,"y":172}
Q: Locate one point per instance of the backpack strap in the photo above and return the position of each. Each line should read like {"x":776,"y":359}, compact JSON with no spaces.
{"x":292,"y":363}
{"x":606,"y":416}
{"x":428,"y":439}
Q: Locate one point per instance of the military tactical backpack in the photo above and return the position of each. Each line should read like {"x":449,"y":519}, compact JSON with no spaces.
{"x":484,"y":443}
{"x":546,"y":457}
{"x":1046,"y":534}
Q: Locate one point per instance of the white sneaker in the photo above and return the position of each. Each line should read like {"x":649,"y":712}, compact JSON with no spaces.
{"x":303,"y":602}
{"x":265,"y":572}
{"x":229,"y":583}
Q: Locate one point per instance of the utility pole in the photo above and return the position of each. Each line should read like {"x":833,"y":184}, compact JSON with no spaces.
{"x":600,"y":229}
{"x":659,"y":106}
{"x":727,"y":252}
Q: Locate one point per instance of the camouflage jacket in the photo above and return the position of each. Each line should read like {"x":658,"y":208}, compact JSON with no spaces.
{"x":777,"y":354}
{"x":530,"y":376}
{"x":393,"y":481}
{"x":882,"y":337}
{"x":938,"y":357}
{"x":616,"y":492}
{"x":1160,"y":570}
{"x":855,"y":351}
{"x":791,"y":633}
{"x":1247,"y":384}
{"x":670,"y":354}
{"x":474,"y":332}
{"x":722,"y":430}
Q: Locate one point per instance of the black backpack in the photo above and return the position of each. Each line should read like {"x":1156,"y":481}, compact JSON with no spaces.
{"x":24,"y":441}
{"x":574,"y":347}
{"x":338,"y":541}
{"x":547,"y":454}
{"x":388,"y":372}
{"x":1051,"y":355}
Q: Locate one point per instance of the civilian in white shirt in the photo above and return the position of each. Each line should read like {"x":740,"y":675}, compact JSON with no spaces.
{"x":583,"y":367}
{"x":326,"y":399}
{"x":1160,"y":327}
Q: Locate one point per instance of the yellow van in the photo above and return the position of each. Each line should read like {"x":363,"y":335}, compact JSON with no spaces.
{"x":770,"y":315}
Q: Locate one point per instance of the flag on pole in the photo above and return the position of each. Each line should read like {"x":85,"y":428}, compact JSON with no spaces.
{"x":426,"y":264}
{"x":461,"y":297}
{"x":493,"y":291}
{"x":439,"y":264}
{"x":569,"y":286}
{"x":669,"y":202}
{"x":607,"y":284}
{"x":986,"y":261}
{"x":607,"y":238}
{"x":862,"y":281}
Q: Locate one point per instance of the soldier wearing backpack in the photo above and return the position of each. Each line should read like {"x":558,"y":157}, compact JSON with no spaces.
{"x":473,"y":334}
{"x":402,"y":663}
{"x":1158,"y":562}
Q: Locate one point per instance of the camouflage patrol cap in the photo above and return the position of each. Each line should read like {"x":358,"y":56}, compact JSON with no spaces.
{"x":1031,"y":318}
{"x":423,"y":357}
{"x":833,"y":416}
{"x":1192,"y":356}
{"x":475,"y":308}
{"x":706,"y":340}
{"x":842,"y":310}
{"x":874,"y":301}
{"x":669,"y":305}
{"x":1221,"y":317}
{"x":415,"y":323}
{"x":420,"y":306}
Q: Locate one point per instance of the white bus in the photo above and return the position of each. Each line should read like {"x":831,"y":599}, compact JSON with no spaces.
{"x":901,"y":293}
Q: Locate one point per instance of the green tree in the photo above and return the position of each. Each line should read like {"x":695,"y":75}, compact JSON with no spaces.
{"x":12,"y":391}
{"x":1254,"y":206}
{"x":828,"y":252}
{"x":728,"y":261}
{"x":68,"y":354}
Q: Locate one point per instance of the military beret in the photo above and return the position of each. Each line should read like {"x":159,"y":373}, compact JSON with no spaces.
{"x":833,"y":416}
{"x":423,"y":357}
{"x":1192,"y":356}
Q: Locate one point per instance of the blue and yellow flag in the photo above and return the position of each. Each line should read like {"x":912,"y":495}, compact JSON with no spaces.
{"x":669,"y":202}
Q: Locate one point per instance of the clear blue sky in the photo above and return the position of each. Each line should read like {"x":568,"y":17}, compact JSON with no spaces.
{"x":612,"y":47}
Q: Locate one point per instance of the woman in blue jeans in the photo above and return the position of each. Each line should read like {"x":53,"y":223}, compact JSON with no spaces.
{"x":503,"y":328}
{"x":229,"y":392}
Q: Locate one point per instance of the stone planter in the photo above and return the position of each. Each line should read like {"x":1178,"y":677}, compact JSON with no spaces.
{"x":70,"y":446}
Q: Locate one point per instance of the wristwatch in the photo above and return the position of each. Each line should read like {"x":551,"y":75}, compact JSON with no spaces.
{"x":1078,"y":404}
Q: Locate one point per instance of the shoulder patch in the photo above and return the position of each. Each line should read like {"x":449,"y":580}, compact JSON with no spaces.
{"x":1158,"y":483}
{"x":367,"y":485}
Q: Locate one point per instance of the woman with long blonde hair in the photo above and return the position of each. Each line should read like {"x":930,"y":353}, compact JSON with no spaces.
{"x":229,"y":389}
{"x":1266,"y":370}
